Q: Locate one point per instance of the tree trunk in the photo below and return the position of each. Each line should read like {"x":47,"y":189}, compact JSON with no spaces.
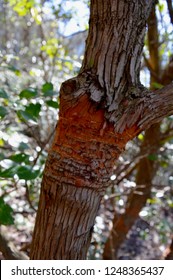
{"x":146,"y":168}
{"x":100,"y":110}
{"x":77,"y":171}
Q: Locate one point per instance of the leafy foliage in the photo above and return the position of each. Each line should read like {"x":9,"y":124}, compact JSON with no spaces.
{"x":6,"y":217}
{"x":22,"y":7}
{"x":32,"y":69}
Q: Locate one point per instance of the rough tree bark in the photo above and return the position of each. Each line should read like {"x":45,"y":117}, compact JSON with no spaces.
{"x":100,"y":111}
{"x":146,"y":168}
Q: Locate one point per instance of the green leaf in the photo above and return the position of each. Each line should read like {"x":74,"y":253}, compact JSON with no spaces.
{"x":51,"y":47}
{"x":161,"y":7}
{"x":164,"y":164}
{"x":152,"y":157}
{"x":50,"y":93}
{"x":14,"y":69}
{"x":22,"y":7}
{"x":3,"y":94}
{"x":6,"y":212}
{"x":28,"y":93}
{"x":170,"y":203}
{"x":2,"y":156}
{"x":9,"y":172}
{"x":20,"y":157}
{"x":52,"y":104}
{"x":31,"y":112}
{"x":24,"y":116}
{"x":157,"y":85}
{"x":152,"y":200}
{"x":3,"y":112}
{"x":33,"y":109}
{"x":23,"y":146}
{"x":27,"y":173}
{"x":46,"y":87}
{"x":1,"y":142}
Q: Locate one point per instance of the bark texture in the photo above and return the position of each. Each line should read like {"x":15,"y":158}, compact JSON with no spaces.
{"x":113,"y":54}
{"x":100,"y":111}
{"x":146,"y":169}
{"x":77,"y":171}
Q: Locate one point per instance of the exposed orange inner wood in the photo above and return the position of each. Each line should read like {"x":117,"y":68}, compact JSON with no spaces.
{"x":84,"y":137}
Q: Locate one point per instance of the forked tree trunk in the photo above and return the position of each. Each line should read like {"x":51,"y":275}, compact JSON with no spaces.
{"x":100,"y":111}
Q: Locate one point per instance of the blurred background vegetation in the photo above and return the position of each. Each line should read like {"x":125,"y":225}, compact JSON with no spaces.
{"x":41,"y":45}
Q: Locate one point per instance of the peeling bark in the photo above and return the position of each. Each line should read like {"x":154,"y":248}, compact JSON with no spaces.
{"x":78,"y":168}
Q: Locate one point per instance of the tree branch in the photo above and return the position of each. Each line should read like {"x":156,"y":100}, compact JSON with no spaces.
{"x":146,"y":109}
{"x":157,"y":105}
{"x":9,"y":251}
{"x":167,"y":75}
{"x":109,"y":56}
{"x":152,"y":72}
